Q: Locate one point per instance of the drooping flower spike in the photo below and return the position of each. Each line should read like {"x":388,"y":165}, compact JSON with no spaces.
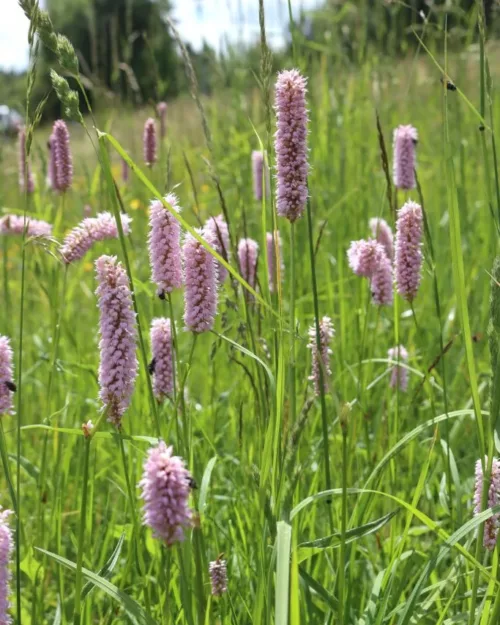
{"x":162,"y":366}
{"x":118,"y":363}
{"x":149,"y":142}
{"x":165,"y":488}
{"x":492,"y":525}
{"x":321,"y":357}
{"x":165,"y":246}
{"x":62,"y":156}
{"x":291,"y":144}
{"x":399,"y":375}
{"x":408,"y":258}
{"x":405,"y":141}
{"x":80,"y":239}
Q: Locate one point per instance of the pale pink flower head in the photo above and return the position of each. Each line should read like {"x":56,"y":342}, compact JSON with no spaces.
{"x":161,"y":109}
{"x":220,"y":233}
{"x":118,"y":364}
{"x":273,"y":248}
{"x":218,"y":576}
{"x":399,"y":375}
{"x":200,"y":278}
{"x":164,"y":242}
{"x":149,"y":142}
{"x":492,"y":525}
{"x":260,"y":174}
{"x":248,"y":251}
{"x":405,"y":141}
{"x":381,"y":231}
{"x":80,"y":239}
{"x":321,"y":357}
{"x":408,"y":258}
{"x":14,"y":224}
{"x":51,"y":168}
{"x":382,"y":281}
{"x":291,"y":144}
{"x":369,"y":259}
{"x":165,"y":488}
{"x":6,"y":549}
{"x":26,"y":181}
{"x":7,"y":386}
{"x":62,"y":156}
{"x":162,"y":365}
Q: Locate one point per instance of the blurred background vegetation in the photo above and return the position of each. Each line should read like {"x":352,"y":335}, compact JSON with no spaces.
{"x":127,"y":53}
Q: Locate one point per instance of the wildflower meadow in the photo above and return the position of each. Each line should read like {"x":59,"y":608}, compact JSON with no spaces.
{"x":249,"y":341}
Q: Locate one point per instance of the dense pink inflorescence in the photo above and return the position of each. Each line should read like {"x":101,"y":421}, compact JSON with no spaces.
{"x":62,"y":156}
{"x":405,"y":140}
{"x":165,"y":486}
{"x":149,"y":142}
{"x":248,"y":251}
{"x":51,"y":167}
{"x":369,"y":259}
{"x":220,"y":232}
{"x":161,"y":109}
{"x":162,"y":362}
{"x":200,"y":277}
{"x":260,"y":174}
{"x":6,"y":376}
{"x":26,"y":181}
{"x":321,"y":357}
{"x":271,"y":259}
{"x":291,"y":144}
{"x":118,"y":364}
{"x":80,"y":239}
{"x":218,"y":577}
{"x":399,"y":375}
{"x":6,"y":549}
{"x":381,"y":231}
{"x":492,"y":525}
{"x":14,"y":224}
{"x":408,"y":258}
{"x":165,"y":246}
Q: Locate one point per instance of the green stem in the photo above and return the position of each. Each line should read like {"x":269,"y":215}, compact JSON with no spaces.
{"x":343,"y":524}
{"x":81,"y":535}
{"x":293,"y":408}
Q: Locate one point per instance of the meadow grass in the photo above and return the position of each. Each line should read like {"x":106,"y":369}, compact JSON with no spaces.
{"x":353,"y":507}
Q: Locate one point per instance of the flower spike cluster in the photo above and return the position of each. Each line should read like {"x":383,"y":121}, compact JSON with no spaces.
{"x":405,"y":141}
{"x":368,"y":258}
{"x":408,"y":258}
{"x":63,"y":161}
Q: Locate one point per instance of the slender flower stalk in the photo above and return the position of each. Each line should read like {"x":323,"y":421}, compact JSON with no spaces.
{"x":164,"y":246}
{"x":291,"y":144}
{"x":149,"y":142}
{"x":125,"y":170}
{"x":248,"y":251}
{"x":89,"y":231}
{"x":118,"y":364}
{"x":26,"y":181}
{"x":399,"y":375}
{"x":381,"y":231}
{"x":7,"y":386}
{"x":321,"y":357}
{"x":62,"y":156}
{"x":260,"y":174}
{"x":492,"y":525}
{"x":165,"y":488}
{"x":161,"y":365}
{"x":405,"y":141}
{"x":161,"y":109}
{"x":369,"y":260}
{"x":6,"y":549}
{"x":408,"y":258}
{"x":200,"y":297}
{"x":14,"y":224}
{"x":220,"y":233}
{"x":271,"y":259}
{"x":218,"y":576}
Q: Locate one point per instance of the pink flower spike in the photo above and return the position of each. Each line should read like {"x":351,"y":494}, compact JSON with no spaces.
{"x":162,"y":365}
{"x":291,"y":144}
{"x":321,"y":358}
{"x":14,"y":224}
{"x":165,"y":488}
{"x":80,"y":239}
{"x":271,"y":259}
{"x":408,"y":258}
{"x":62,"y":156}
{"x":161,"y":109}
{"x":118,"y":365}
{"x":149,"y":142}
{"x":399,"y":375}
{"x":248,"y":251}
{"x":51,"y":168}
{"x":164,"y":246}
{"x":260,"y":174}
{"x":7,"y":386}
{"x":405,"y":140}
{"x":6,"y":549}
{"x":381,"y":231}
{"x":200,"y":297}
{"x":492,"y":525}
{"x":369,"y":259}
{"x":220,"y":232}
{"x":26,"y":180}
{"x":218,"y":577}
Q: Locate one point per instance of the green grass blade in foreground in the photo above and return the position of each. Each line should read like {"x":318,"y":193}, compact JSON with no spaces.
{"x":134,"y":611}
{"x":283,"y":538}
{"x":205,"y":482}
{"x":108,"y":568}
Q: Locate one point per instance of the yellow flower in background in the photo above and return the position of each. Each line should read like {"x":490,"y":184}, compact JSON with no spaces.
{"x":116,"y":171}
{"x":205,"y":188}
{"x":135,"y":204}
{"x":88,"y":266}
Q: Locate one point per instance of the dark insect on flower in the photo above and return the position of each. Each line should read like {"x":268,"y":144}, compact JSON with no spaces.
{"x":151,"y":366}
{"x":161,"y":295}
{"x":481,"y":127}
{"x":11,"y":386}
{"x":193,"y":484}
{"x":449,"y":84}
{"x":477,"y":337}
